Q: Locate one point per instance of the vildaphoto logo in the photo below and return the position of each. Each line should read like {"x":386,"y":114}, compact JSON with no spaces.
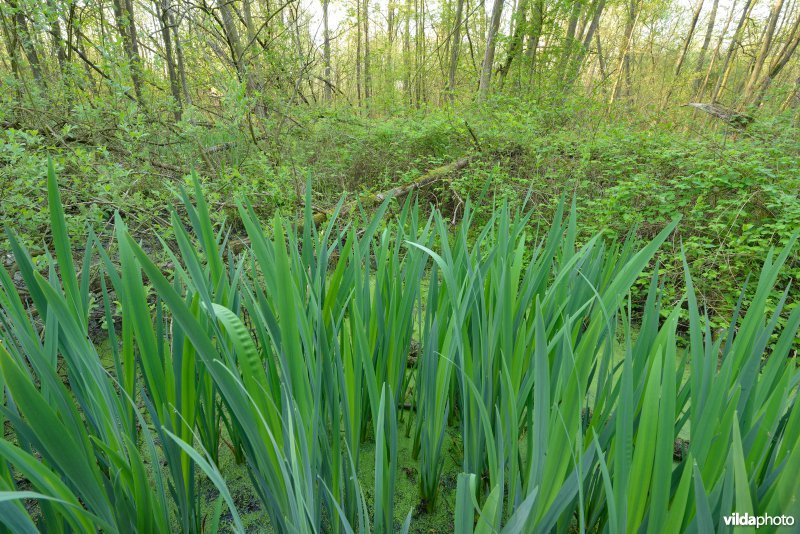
{"x":764,"y":520}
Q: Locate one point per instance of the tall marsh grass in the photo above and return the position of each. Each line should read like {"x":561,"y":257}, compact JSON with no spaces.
{"x":568,"y":397}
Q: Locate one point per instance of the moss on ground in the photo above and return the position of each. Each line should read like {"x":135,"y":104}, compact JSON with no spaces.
{"x":440,"y":520}
{"x":406,"y":497}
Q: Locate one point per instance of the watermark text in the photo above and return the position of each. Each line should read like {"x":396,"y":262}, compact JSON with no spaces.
{"x":764,"y":520}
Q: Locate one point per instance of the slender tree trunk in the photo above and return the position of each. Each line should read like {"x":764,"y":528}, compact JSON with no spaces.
{"x":358,"y":51}
{"x":58,"y":40}
{"x":520,"y":17}
{"x":569,"y":40}
{"x":81,"y":46}
{"x":243,"y":73}
{"x":407,"y":54}
{"x":233,"y":39}
{"x":418,"y":52}
{"x":454,"y":49}
{"x":600,"y":60}
{"x":763,"y":51}
{"x":715,"y":54}
{"x":11,"y":47}
{"x":298,"y":41}
{"x":682,"y":57}
{"x":727,"y":64}
{"x":624,"y":69}
{"x":103,"y":29}
{"x":326,"y":50}
{"x":248,"y":21}
{"x":481,"y":22}
{"x":25,"y":39}
{"x":701,"y":60}
{"x":488,"y":57}
{"x":134,"y":36}
{"x":163,"y":8}
{"x":127,"y":30}
{"x":574,"y":69}
{"x":391,"y":34}
{"x":423,"y":56}
{"x":179,"y":56}
{"x":367,"y":74}
{"x":777,"y":65}
{"x":793,"y":100}
{"x":688,"y":40}
{"x":534,"y":34}
{"x":786,"y":19}
{"x":589,"y":35}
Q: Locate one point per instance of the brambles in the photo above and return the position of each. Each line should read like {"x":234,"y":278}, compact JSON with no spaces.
{"x":567,"y":406}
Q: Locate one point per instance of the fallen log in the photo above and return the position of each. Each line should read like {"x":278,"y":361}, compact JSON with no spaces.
{"x":427,"y":179}
{"x":399,"y":192}
{"x":734,"y":118}
{"x":167,"y":166}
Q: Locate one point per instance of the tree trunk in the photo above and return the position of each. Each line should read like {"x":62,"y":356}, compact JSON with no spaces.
{"x":418,"y":51}
{"x":358,"y":51}
{"x":25,"y":39}
{"x":232,"y":36}
{"x":11,"y":47}
{"x":701,"y":60}
{"x":127,"y":30}
{"x":326,"y":50}
{"x":763,"y":51}
{"x":134,"y":37}
{"x":163,"y":8}
{"x":179,"y":56}
{"x":391,"y":31}
{"x":624,"y":68}
{"x":715,"y":54}
{"x":727,"y":65}
{"x":577,"y":63}
{"x":58,"y":40}
{"x":454,"y":49}
{"x":534,"y":34}
{"x":399,"y":192}
{"x":778,"y":64}
{"x":407,"y":53}
{"x":520,"y":17}
{"x":600,"y":60}
{"x":688,"y":40}
{"x":243,"y":74}
{"x":793,"y":100}
{"x":684,"y":50}
{"x":488,"y":58}
{"x":248,"y":22}
{"x":367,"y":75}
{"x":81,"y":46}
{"x":598,"y":11}
{"x":569,"y":40}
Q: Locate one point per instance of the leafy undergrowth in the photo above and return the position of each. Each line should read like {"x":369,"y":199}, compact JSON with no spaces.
{"x":737,"y":194}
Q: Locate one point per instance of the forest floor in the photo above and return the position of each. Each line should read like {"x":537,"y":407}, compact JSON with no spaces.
{"x":736,"y":191}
